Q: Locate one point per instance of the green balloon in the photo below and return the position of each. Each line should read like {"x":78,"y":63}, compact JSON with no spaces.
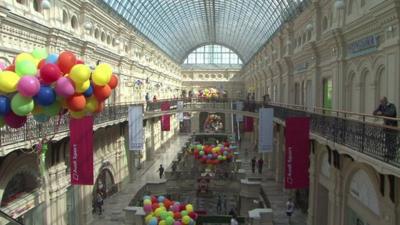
{"x":21,"y":105}
{"x":39,"y":53}
{"x":164,"y":215}
{"x":25,"y":68}
{"x":2,"y":122}
{"x":169,"y":220}
{"x":184,"y":213}
{"x":53,"y":109}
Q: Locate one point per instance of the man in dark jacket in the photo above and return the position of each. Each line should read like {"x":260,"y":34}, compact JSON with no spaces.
{"x":387,"y":109}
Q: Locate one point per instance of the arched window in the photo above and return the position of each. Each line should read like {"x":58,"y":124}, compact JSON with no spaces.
{"x":74,"y":22}
{"x":351,"y":97}
{"x":213,"y":54}
{"x":21,"y":183}
{"x":65,"y":17}
{"x":367,"y":98}
{"x":96,"y":33}
{"x":36,"y":5}
{"x":381,"y":84}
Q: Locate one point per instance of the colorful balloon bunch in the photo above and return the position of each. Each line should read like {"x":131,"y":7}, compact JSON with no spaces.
{"x":46,"y":85}
{"x":162,"y":211}
{"x":213,"y":155}
{"x":209,"y":93}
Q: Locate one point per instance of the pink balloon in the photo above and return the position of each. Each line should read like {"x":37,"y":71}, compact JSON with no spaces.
{"x":28,"y":86}
{"x":14,"y":121}
{"x":177,"y":223}
{"x":64,"y":87}
{"x":147,"y":208}
{"x":50,"y":73}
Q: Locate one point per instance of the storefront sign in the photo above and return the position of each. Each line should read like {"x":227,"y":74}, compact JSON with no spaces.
{"x":297,"y":152}
{"x":265,"y":130}
{"x":81,"y":151}
{"x":165,"y":119}
{"x":135,"y":121}
{"x":363,"y":46}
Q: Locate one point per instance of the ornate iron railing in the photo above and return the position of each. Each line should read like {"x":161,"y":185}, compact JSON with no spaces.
{"x":373,"y":139}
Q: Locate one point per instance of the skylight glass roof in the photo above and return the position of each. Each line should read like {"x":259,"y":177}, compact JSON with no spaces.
{"x":180,"y":26}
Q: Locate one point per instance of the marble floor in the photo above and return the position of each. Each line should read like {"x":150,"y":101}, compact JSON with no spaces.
{"x":113,"y":207}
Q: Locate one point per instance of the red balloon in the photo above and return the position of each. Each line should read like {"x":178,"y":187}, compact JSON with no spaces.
{"x":182,"y":207}
{"x":41,"y":63}
{"x":154,"y":199}
{"x":10,"y":68}
{"x":113,"y":82}
{"x":177,"y":215}
{"x":66,"y":60}
{"x":76,"y":102}
{"x":193,"y":215}
{"x":154,"y":206}
{"x":79,"y":62}
{"x":167,"y":203}
{"x":102,"y":92}
{"x":50,"y":73}
{"x":14,"y":121}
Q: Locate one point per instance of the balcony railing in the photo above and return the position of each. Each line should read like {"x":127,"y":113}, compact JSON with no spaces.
{"x":359,"y":132}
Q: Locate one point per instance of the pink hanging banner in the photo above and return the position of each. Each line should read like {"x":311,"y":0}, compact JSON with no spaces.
{"x":297,"y":152}
{"x":165,"y":119}
{"x":248,"y":124}
{"x":81,"y":151}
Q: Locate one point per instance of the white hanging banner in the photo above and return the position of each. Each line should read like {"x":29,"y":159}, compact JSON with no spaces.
{"x":179,"y":106}
{"x":239,"y":107}
{"x":265,"y":130}
{"x":135,"y":121}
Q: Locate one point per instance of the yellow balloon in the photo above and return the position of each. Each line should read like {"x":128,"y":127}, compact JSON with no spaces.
{"x":102,"y":74}
{"x":91,"y":104}
{"x":24,"y":56}
{"x":157,"y":212}
{"x":80,"y":73}
{"x":82,"y":87}
{"x":8,"y":81}
{"x":162,"y":222}
{"x":148,"y":218}
{"x":77,"y":115}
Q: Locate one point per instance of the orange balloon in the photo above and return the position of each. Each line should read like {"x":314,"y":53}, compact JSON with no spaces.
{"x":102,"y":92}
{"x":113,"y":81}
{"x":100,"y":107}
{"x":66,"y":60}
{"x":76,"y":102}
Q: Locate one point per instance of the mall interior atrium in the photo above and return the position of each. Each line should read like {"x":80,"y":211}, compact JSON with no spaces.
{"x":199,"y":112}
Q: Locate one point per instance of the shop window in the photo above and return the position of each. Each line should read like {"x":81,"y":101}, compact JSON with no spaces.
{"x":74,"y":22}
{"x":327,"y":88}
{"x":65,"y":17}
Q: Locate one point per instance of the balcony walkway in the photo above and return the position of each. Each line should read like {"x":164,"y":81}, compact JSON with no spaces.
{"x":113,"y":207}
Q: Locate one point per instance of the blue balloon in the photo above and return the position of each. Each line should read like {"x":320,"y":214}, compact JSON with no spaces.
{"x":46,"y":96}
{"x":210,"y":156}
{"x":89,"y":91}
{"x":52,"y":58}
{"x":153,"y":221}
{"x":146,"y":197}
{"x":226,"y":153}
{"x":191,"y":222}
{"x":5,"y":106}
{"x":161,"y":198}
{"x":41,"y":118}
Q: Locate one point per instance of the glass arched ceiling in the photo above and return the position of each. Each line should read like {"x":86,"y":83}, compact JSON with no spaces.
{"x":178,"y":26}
{"x":213,"y":54}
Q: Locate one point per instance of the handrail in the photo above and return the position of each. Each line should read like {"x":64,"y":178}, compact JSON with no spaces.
{"x":9,"y":218}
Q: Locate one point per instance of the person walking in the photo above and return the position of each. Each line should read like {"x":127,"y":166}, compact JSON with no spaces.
{"x":219,"y":204}
{"x":260,"y":164}
{"x":161,"y":171}
{"x":234,"y":220}
{"x":388,"y":109}
{"x":253,"y":164}
{"x":99,"y":203}
{"x":289,"y":209}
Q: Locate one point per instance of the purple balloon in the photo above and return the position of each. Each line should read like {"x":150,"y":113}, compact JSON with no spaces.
{"x":177,"y":223}
{"x":64,"y":87}
{"x":28,"y":86}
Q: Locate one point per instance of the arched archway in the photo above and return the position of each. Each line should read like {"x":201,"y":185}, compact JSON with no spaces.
{"x":367,"y":96}
{"x":20,"y":184}
{"x":381,"y":84}
{"x":350,"y":93}
{"x":105,"y":183}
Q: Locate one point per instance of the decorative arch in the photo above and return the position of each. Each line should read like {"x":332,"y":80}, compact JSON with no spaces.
{"x":106,"y":182}
{"x":381,"y":83}
{"x":190,"y":51}
{"x":362,"y":186}
{"x":367,"y":95}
